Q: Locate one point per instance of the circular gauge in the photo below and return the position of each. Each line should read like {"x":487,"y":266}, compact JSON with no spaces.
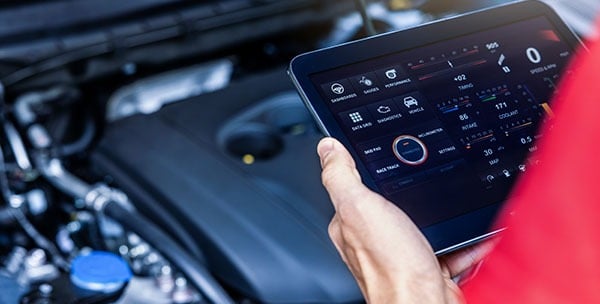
{"x":410,"y":150}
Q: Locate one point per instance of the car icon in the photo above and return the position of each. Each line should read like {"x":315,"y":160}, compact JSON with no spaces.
{"x":410,"y":101}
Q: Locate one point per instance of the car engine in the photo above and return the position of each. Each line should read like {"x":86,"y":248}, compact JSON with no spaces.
{"x":155,"y":151}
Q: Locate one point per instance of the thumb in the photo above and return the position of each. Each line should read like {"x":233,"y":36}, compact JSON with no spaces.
{"x":339,"y":176}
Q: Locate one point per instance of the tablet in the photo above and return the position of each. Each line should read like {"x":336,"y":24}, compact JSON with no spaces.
{"x":441,"y":118}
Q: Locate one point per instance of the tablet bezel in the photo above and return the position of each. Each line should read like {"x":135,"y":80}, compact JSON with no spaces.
{"x":460,"y":231}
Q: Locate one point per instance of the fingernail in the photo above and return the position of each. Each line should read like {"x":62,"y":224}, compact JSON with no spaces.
{"x":325,"y":146}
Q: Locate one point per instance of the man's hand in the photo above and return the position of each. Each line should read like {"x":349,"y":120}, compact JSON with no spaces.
{"x":387,"y":254}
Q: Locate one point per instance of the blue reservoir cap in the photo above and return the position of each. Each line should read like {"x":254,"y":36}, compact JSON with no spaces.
{"x":100,"y":271}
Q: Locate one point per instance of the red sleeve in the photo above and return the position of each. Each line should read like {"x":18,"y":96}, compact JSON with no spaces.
{"x":551,"y":251}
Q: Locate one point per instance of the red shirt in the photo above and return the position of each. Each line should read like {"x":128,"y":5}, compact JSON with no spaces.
{"x":551,"y":251}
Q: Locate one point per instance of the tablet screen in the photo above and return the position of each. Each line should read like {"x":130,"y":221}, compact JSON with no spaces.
{"x":445,"y":128}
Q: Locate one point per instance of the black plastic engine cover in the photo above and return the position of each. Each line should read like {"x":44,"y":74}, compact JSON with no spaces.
{"x":263,"y":227}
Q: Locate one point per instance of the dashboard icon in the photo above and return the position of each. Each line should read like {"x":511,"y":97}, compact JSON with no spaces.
{"x":337,"y":88}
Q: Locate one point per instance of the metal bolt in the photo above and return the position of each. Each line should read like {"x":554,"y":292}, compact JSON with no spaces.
{"x":182,"y":293}
{"x":133,"y":239}
{"x":164,"y":279}
{"x":36,"y":258}
{"x":46,"y":289}
{"x":15,"y":259}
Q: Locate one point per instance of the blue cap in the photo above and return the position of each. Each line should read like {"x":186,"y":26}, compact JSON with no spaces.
{"x":100,"y":271}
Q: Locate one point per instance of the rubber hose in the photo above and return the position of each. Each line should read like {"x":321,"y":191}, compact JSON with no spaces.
{"x":196,"y":273}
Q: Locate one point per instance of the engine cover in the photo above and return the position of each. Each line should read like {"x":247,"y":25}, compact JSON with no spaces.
{"x":242,"y":175}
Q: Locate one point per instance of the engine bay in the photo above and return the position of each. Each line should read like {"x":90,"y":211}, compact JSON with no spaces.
{"x":156,"y":151}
